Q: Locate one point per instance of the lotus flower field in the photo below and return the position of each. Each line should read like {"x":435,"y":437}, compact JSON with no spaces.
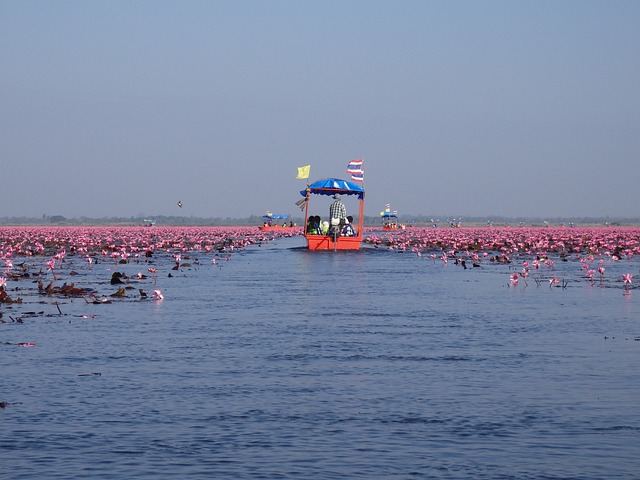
{"x":46,"y":264}
{"x":52,"y":264}
{"x":529,"y":252}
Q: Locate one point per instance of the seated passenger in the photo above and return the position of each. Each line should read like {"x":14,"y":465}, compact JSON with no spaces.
{"x":313,"y":227}
{"x":325,"y":228}
{"x":348,"y":230}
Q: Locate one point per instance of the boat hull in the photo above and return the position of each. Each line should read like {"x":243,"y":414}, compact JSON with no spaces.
{"x":325,"y":242}
{"x":276,"y":228}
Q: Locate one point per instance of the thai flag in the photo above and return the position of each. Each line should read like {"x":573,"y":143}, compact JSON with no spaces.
{"x":357,"y":177}
{"x":355,"y":166}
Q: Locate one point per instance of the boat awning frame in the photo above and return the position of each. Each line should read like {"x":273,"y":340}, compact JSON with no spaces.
{"x":331,"y":186}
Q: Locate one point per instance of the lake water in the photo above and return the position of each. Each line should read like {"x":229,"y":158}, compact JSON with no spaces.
{"x":282,"y":363}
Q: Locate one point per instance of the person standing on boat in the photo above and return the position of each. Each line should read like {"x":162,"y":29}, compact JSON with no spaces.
{"x":337,"y":215}
{"x":337,"y":209}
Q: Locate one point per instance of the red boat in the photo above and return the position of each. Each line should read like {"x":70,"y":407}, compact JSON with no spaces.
{"x":334,"y":240}
{"x":389,"y":220}
{"x":277,"y":223}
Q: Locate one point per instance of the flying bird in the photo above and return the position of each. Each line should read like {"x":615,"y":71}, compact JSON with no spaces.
{"x":179,"y":203}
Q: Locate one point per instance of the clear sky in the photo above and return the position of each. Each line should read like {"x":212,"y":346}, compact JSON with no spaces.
{"x":514,"y":108}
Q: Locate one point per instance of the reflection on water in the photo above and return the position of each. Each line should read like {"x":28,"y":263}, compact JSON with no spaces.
{"x":287,"y":364}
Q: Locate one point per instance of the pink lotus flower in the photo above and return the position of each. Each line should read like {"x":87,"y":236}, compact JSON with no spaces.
{"x":153,"y":271}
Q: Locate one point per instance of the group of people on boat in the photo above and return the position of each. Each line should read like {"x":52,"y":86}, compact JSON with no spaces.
{"x":269,"y":223}
{"x":315,"y":226}
{"x":341,"y":223}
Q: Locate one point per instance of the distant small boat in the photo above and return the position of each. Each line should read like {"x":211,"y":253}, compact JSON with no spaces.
{"x":389,"y":220}
{"x":334,"y":240}
{"x":277,"y":222}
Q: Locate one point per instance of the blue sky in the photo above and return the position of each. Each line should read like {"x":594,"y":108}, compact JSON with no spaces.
{"x":458,"y":108}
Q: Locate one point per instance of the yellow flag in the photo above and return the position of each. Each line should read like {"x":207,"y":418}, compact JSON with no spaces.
{"x":303,"y":172}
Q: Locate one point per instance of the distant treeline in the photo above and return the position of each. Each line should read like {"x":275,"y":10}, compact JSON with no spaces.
{"x":409,"y":220}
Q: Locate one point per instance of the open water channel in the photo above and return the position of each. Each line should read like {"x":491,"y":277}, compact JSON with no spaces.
{"x":282,"y":363}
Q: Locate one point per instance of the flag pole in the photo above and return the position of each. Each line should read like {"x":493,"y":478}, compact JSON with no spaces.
{"x":361,"y":209}
{"x":306,"y":202}
{"x":307,"y":174}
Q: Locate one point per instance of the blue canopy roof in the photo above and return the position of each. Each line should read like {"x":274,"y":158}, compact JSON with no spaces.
{"x":388,"y":215}
{"x":275,"y":216}
{"x":329,"y":186}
